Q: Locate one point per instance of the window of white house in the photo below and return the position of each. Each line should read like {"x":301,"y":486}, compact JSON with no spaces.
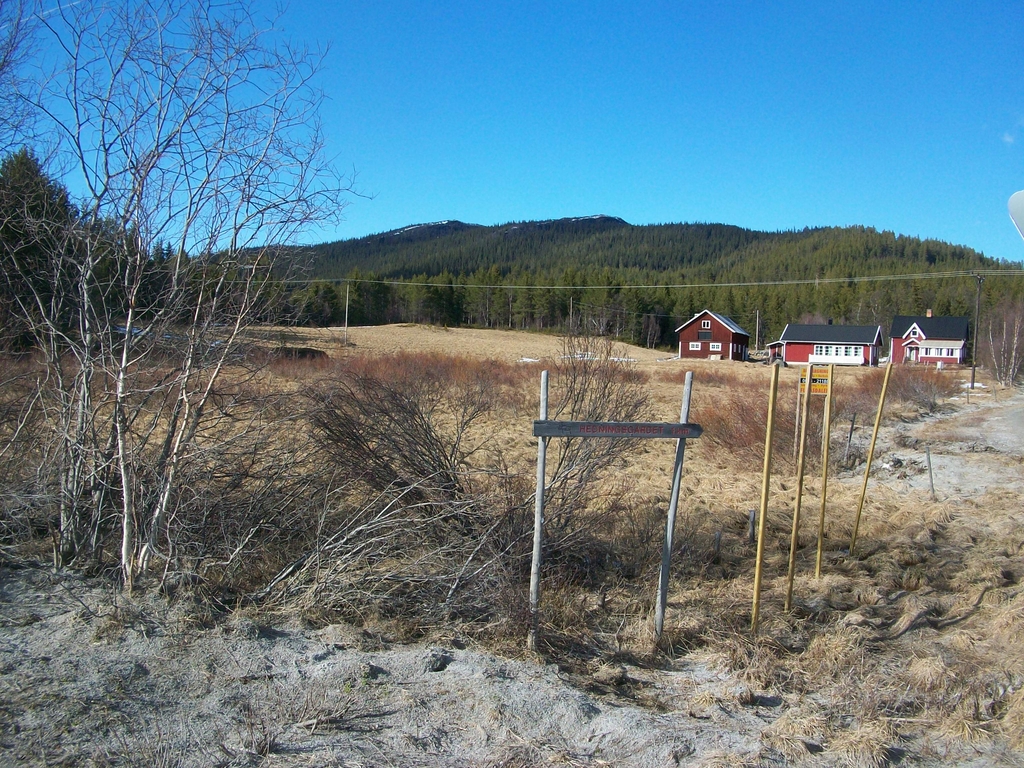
{"x":950,"y":353}
{"x":830,"y":350}
{"x":694,"y":345}
{"x":716,"y":346}
{"x":705,"y":324}
{"x":927,"y":351}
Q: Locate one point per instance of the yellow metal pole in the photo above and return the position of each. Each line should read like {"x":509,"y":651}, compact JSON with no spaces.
{"x":794,"y":537}
{"x":826,"y":436}
{"x":871,"y":456}
{"x":765,"y":478}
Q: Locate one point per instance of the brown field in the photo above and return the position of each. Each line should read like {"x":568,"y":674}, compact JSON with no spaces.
{"x":906,"y":652}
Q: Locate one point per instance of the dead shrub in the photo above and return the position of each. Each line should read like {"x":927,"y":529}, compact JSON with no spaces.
{"x":757,"y":661}
{"x":797,"y":735}
{"x":867,"y":742}
{"x":718,"y":376}
{"x":921,"y":387}
{"x":929,"y":672}
{"x":833,"y":653}
{"x":735,"y":422}
{"x":425,"y":520}
{"x":23,"y":512}
{"x":1013,"y":720}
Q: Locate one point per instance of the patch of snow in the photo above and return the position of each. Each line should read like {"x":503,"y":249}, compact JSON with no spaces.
{"x":411,"y":227}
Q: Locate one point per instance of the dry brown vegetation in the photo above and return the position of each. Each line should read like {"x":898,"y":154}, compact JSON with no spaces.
{"x":392,"y":489}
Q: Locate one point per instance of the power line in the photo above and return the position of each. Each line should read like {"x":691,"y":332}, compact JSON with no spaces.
{"x":682,"y":286}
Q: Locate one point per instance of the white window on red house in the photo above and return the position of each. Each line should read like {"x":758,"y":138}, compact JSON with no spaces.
{"x":716,"y":346}
{"x":694,"y":346}
{"x":950,"y":352}
{"x":705,"y":324}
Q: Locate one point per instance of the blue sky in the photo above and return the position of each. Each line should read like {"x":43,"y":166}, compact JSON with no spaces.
{"x":900,"y":116}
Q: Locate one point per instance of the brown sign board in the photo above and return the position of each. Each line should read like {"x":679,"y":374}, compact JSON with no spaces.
{"x":634,"y":429}
{"x":819,"y":380}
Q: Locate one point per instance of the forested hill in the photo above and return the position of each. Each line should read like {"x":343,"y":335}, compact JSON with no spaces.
{"x":691,"y":252}
{"x":637,"y":282}
{"x":592,"y":242}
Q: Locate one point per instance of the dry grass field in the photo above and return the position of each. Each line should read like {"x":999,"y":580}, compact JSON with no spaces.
{"x":906,"y":652}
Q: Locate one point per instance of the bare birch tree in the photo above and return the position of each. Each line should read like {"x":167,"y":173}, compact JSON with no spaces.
{"x":192,"y":137}
{"x":16,"y":27}
{"x":1003,"y":339}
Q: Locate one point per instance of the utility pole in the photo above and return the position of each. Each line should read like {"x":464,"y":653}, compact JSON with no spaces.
{"x":347,"y":285}
{"x":977,"y":315}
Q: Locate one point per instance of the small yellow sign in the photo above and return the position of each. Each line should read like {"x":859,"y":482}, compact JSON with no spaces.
{"x":819,"y":380}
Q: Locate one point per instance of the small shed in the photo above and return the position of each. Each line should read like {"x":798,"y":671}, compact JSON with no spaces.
{"x":928,"y":339}
{"x":839,"y":344}
{"x":711,"y":336}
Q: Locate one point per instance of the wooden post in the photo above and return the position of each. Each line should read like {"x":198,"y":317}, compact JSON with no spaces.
{"x":826,"y":432}
{"x":670,"y":522}
{"x":849,"y":439}
{"x":794,"y":537}
{"x":796,"y":424}
{"x":538,"y":521}
{"x":765,"y":481}
{"x":931,"y":480}
{"x":871,"y":456}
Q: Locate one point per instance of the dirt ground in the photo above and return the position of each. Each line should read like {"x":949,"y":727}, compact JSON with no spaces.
{"x":90,"y":677}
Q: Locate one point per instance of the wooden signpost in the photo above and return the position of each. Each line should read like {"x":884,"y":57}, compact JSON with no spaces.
{"x":821,"y":376}
{"x":543,"y":429}
{"x":643,"y":429}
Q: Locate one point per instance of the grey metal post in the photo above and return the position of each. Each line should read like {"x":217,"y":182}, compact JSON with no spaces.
{"x":849,"y":439}
{"x":538,"y":520}
{"x":931,"y":480}
{"x":670,"y":522}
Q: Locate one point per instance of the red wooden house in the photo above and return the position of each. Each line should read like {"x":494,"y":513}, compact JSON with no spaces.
{"x":932,"y":340}
{"x":711,"y":336}
{"x":839,"y":344}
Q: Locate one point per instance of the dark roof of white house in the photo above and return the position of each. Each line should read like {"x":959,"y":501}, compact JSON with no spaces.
{"x":832,"y":334}
{"x":728,"y":322}
{"x":931,"y":327}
